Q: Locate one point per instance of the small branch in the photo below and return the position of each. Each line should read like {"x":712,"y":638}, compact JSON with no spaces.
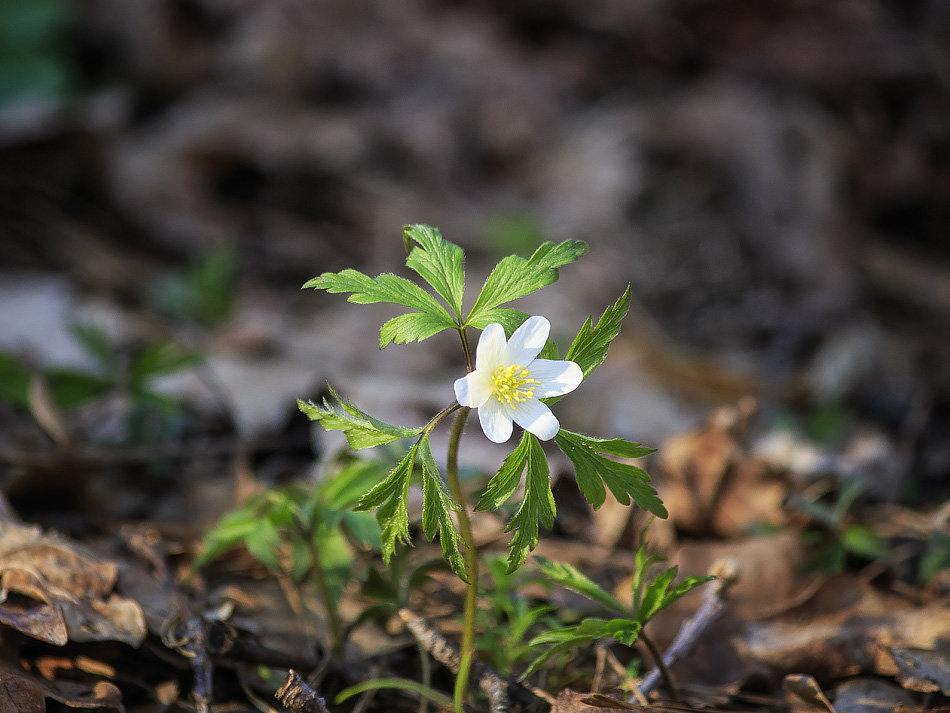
{"x":296,"y":695}
{"x":714,"y":602}
{"x":489,"y":682}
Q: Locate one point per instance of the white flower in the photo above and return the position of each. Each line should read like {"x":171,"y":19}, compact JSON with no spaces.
{"x":508,"y":381}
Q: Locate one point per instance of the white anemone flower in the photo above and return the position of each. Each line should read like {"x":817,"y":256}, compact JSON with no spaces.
{"x":508,"y":381}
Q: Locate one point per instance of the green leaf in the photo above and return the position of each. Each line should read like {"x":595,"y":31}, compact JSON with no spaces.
{"x":436,"y":504}
{"x":862,"y":540}
{"x":504,"y":483}
{"x":71,"y":388}
{"x":538,"y":504}
{"x":390,"y":499}
{"x":510,"y":319}
{"x":346,"y":486}
{"x":361,"y":429}
{"x":587,"y":632}
{"x":438,"y":262}
{"x":567,"y":575}
{"x":589,"y":348}
{"x":593,"y":471}
{"x":230,"y":532}
{"x":410,"y":327}
{"x":516,"y":277}
{"x":649,"y":597}
{"x":389,"y":288}
{"x":14,"y":381}
{"x":264,"y":543}
{"x":158,"y":359}
{"x":95,"y":343}
{"x":563,"y":639}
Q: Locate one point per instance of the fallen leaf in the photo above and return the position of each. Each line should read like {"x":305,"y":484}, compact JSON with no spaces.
{"x":713,"y":485}
{"x":62,"y":592}
{"x":804,"y":695}
{"x":922,"y":669}
{"x":841,"y":631}
{"x":22,"y":692}
{"x":870,"y":695}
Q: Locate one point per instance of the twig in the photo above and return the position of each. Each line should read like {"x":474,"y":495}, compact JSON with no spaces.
{"x":296,"y":695}
{"x":714,"y":601}
{"x":446,"y":653}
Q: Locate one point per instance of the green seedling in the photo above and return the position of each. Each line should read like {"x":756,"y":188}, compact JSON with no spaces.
{"x":508,"y":623}
{"x":131,"y":376}
{"x":305,"y":534}
{"x":514,"y":375}
{"x":626,"y":624}
{"x":838,"y":534}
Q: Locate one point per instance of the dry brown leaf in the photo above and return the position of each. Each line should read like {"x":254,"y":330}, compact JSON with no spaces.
{"x":63,"y":593}
{"x":712,"y":485}
{"x":870,"y":695}
{"x":842,"y":630}
{"x":22,"y":692}
{"x":569,"y":701}
{"x":922,"y":670}
{"x":804,"y":695}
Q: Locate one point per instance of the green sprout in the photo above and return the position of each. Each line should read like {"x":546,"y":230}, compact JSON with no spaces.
{"x":626,"y":623}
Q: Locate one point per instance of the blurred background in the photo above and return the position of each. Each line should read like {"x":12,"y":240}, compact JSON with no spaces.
{"x":772,"y":178}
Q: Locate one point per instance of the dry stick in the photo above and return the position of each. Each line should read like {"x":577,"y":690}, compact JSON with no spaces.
{"x":296,"y":695}
{"x":714,"y":602}
{"x":193,"y":644}
{"x":447,"y":654}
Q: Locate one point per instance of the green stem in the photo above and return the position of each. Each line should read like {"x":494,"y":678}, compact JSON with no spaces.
{"x":664,"y":671}
{"x":471,"y":557}
{"x":469,"y":363}
{"x":323,"y":590}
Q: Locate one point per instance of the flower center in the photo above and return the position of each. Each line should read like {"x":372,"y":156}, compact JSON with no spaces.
{"x":512,"y":384}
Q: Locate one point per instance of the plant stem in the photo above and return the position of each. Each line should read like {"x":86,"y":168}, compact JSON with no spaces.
{"x":471,"y":557}
{"x":323,"y":589}
{"x":469,"y":364}
{"x":664,"y":671}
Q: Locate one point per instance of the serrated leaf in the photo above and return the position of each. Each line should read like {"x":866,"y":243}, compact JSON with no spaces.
{"x":504,"y":483}
{"x":438,"y":262}
{"x":568,"y":641}
{"x":593,"y":471}
{"x":389,"y":497}
{"x":619,"y":447}
{"x":516,"y":277}
{"x":589,"y":348}
{"x":361,"y":429}
{"x":436,"y":504}
{"x":410,"y":327}
{"x":389,"y":288}
{"x":538,"y":504}
{"x":510,"y":319}
{"x":587,"y":632}
{"x":567,"y":575}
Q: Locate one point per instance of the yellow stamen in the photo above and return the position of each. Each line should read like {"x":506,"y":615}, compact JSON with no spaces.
{"x":512,"y":384}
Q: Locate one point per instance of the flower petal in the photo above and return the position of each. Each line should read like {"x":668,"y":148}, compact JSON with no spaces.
{"x":534,"y":417}
{"x":473,"y":389}
{"x":557,"y":377}
{"x":491,"y":349}
{"x":496,"y":420}
{"x":528,"y":340}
